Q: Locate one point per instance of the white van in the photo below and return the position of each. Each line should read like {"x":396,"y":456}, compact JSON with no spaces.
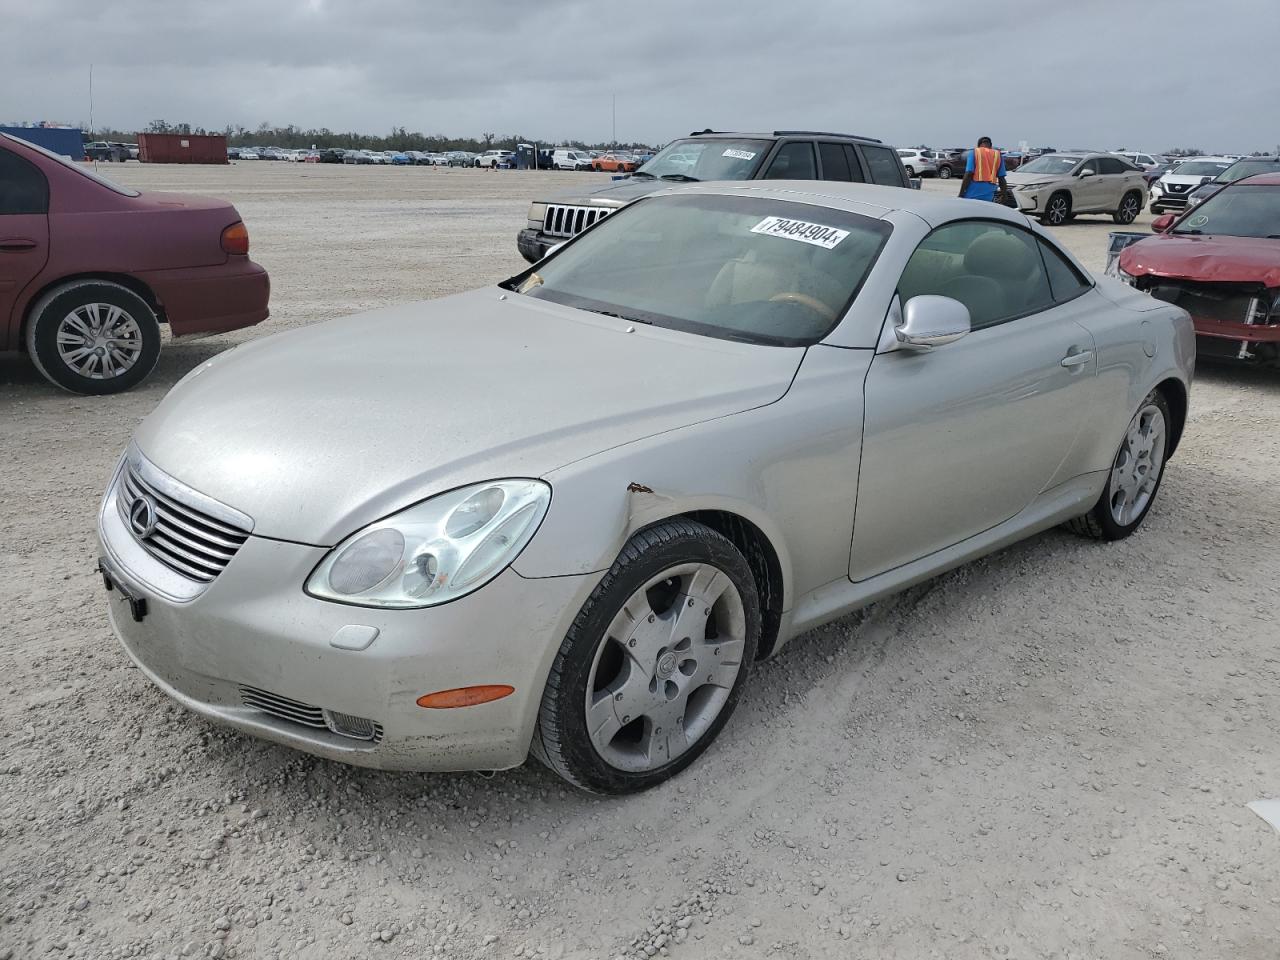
{"x":564,"y":159}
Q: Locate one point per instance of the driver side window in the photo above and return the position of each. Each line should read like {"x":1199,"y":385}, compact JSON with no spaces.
{"x":993,"y":269}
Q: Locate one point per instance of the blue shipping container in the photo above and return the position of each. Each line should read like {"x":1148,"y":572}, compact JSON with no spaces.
{"x":69,"y":143}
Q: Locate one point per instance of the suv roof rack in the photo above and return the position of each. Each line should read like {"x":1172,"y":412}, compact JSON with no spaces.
{"x":823,"y":133}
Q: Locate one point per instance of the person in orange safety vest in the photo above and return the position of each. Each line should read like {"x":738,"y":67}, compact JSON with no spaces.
{"x":983,"y":172}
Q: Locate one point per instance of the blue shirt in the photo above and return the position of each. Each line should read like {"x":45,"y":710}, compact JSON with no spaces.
{"x":981,"y":191}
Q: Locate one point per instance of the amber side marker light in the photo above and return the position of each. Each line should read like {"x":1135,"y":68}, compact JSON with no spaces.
{"x":465,"y":696}
{"x":235,"y":239}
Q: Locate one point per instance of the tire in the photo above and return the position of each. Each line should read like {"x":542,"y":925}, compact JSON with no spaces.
{"x":1130,"y":207}
{"x":1057,"y":211}
{"x":624,"y":652}
{"x":63,"y":321}
{"x":1133,"y":469}
{"x":911,"y":171}
{"x":944,"y":173}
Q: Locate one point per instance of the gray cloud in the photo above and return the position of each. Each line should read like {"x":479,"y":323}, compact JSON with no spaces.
{"x":1088,"y":73}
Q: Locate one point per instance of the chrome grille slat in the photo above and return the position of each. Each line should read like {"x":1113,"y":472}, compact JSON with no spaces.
{"x":185,"y":539}
{"x":309,"y":715}
{"x":564,"y":220}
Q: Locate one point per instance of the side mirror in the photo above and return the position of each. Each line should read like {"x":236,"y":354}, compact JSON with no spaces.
{"x":1085,"y":173}
{"x":1163,"y":222}
{"x":929,"y":321}
{"x":916,"y":183}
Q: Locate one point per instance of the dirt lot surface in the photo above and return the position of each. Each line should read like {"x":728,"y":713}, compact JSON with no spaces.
{"x":1045,"y":754}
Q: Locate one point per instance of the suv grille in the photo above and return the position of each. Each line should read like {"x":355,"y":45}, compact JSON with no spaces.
{"x":183,"y":538}
{"x":566,"y":221}
{"x":1177,"y":187}
{"x":304,"y":714}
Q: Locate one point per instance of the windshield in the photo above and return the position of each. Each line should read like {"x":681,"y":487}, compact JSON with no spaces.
{"x":1247,"y":168}
{"x":718,"y":159}
{"x":1200,"y":168}
{"x":78,"y":168}
{"x":1053,"y":163}
{"x":1244,"y":210}
{"x":738,"y":268}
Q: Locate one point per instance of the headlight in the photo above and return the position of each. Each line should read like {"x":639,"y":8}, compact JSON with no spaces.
{"x":1031,"y":186}
{"x":436,"y":551}
{"x":1119,"y":273}
{"x":537,"y":212}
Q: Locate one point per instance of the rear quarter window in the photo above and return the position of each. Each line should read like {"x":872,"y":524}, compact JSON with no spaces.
{"x":23,"y":188}
{"x":883,"y":165}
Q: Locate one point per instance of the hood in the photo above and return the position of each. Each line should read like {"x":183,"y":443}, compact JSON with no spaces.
{"x":1210,"y":259}
{"x":619,"y":191}
{"x":1018,"y":178}
{"x":1184,"y":178}
{"x":316,"y":432}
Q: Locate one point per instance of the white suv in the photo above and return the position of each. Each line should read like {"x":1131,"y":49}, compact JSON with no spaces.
{"x":492,"y":158}
{"x":1170,"y":192}
{"x":919,"y":163}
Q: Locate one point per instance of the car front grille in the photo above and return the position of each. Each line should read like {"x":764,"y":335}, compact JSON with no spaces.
{"x":308,"y":715}
{"x":569,"y":221}
{"x":1208,"y":301}
{"x":182,"y":537}
{"x":1177,"y":188}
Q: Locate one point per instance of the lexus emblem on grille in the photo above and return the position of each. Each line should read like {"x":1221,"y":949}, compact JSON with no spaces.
{"x":142,"y":517}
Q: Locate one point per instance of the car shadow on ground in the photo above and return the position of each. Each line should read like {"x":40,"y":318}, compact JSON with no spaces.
{"x":19,"y":375}
{"x":1236,"y":374}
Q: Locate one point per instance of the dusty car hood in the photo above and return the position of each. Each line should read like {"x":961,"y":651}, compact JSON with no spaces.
{"x":1219,"y":259}
{"x":1019,"y":179}
{"x":316,"y":432}
{"x":617,"y":192}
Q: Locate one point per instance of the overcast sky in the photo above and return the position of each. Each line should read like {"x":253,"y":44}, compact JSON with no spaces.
{"x":1145,"y":74}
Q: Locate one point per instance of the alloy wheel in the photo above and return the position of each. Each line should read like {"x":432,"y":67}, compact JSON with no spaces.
{"x":1129,"y":207}
{"x":99,"y":341}
{"x":1136,"y":471}
{"x":666,"y":667}
{"x":1057,"y":211}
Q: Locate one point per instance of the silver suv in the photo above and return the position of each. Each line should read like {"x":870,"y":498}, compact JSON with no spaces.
{"x":781,"y":155}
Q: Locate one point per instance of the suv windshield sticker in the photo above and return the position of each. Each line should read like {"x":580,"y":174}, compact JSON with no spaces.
{"x":814,"y":233}
{"x":739,"y":154}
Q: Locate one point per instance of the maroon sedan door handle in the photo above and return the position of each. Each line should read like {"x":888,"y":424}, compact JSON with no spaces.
{"x":17,"y":245}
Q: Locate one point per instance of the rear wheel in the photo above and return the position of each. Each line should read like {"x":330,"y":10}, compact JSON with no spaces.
{"x":1130,"y":207}
{"x":654,"y":663}
{"x":93,"y":337}
{"x":944,"y":173}
{"x":1135,"y":475}
{"x":911,"y":171}
{"x":1057,"y":211}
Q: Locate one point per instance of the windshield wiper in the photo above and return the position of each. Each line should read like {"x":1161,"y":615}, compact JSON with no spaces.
{"x":620,"y":316}
{"x":642,"y":173}
{"x":1195,"y":233}
{"x":680,"y":178}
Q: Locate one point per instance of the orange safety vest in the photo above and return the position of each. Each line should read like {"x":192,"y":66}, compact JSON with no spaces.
{"x":986,"y":165}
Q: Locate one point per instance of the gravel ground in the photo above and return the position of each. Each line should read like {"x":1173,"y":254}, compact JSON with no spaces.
{"x":1045,"y":754}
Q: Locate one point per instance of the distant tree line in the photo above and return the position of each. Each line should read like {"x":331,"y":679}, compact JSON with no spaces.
{"x":399,"y":138}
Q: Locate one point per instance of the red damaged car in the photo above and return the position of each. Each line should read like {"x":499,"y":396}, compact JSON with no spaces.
{"x":90,"y":269}
{"x":1219,"y":261}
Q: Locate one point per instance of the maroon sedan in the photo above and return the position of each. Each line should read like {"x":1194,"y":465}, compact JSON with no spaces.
{"x":1220,"y":261}
{"x":89,"y":270}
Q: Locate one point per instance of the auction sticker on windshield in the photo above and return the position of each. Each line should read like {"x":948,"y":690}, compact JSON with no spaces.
{"x":739,"y":154}
{"x":817,"y":234}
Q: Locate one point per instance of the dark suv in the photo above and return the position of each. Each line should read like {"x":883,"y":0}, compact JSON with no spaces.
{"x":781,"y":155}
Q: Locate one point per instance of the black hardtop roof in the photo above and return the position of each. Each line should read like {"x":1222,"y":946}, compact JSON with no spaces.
{"x":784,"y":133}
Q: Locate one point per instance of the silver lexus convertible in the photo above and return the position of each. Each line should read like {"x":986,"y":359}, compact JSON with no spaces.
{"x":563,"y":515}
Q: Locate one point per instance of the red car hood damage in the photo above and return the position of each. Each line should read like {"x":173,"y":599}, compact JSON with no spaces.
{"x":1209,"y":259}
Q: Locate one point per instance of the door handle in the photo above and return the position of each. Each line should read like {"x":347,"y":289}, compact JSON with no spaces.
{"x":1075,"y":359}
{"x":17,"y":245}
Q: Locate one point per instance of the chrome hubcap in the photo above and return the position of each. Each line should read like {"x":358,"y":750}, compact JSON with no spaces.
{"x":666,"y":667}
{"x":99,"y":341}
{"x":1137,"y":468}
{"x":1058,"y":211}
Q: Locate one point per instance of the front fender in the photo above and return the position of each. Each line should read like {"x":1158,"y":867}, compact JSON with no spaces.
{"x":790,"y":468}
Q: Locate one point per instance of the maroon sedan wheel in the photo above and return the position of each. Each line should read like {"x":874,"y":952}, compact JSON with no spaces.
{"x":93,"y":337}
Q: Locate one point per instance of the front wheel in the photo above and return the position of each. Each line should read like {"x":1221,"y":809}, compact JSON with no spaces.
{"x":93,"y":337}
{"x":1057,"y":211}
{"x":1135,"y":475}
{"x":1130,"y":207}
{"x":654,"y":663}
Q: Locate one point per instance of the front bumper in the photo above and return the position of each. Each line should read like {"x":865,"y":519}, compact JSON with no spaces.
{"x":1028,"y":201}
{"x":1222,"y":339}
{"x":533,"y":244}
{"x":254,"y":632}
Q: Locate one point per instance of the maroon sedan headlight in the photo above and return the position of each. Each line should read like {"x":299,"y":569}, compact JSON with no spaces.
{"x":235,"y":238}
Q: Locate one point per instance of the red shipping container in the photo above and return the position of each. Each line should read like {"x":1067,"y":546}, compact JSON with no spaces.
{"x":182,"y":148}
